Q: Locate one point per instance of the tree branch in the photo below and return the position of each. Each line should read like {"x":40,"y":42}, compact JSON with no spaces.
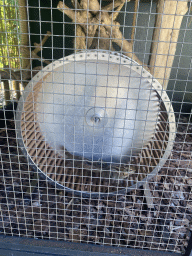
{"x":101,"y":28}
{"x":118,"y":38}
{"x":114,"y":5}
{"x":134,"y":21}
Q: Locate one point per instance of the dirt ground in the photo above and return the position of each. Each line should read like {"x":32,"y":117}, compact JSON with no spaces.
{"x":122,"y":220}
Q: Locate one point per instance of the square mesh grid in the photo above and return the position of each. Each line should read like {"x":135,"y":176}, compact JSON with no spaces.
{"x":154,"y":40}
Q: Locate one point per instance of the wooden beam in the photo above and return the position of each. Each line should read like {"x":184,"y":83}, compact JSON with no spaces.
{"x":23,"y":23}
{"x":165,"y":36}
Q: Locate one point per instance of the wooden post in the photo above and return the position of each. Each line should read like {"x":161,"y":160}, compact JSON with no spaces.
{"x":7,"y":95}
{"x":165,"y":36}
{"x":24,"y":32}
{"x":16,"y":88}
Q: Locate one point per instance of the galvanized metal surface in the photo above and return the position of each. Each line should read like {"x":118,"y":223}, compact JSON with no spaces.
{"x":57,"y":110}
{"x":96,"y":105}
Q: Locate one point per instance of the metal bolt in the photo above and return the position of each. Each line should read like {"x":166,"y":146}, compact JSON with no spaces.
{"x":96,"y":119}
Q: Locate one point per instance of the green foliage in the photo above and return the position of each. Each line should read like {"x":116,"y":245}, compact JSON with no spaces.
{"x":10,"y":34}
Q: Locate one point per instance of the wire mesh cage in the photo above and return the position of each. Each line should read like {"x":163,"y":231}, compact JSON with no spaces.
{"x":96,"y":122}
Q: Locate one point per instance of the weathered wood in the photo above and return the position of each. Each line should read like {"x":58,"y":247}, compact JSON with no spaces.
{"x":165,"y":36}
{"x":7,"y":94}
{"x":23,"y":23}
{"x":134,"y":21}
{"x":118,"y":38}
{"x":16,"y":88}
{"x":109,"y":33}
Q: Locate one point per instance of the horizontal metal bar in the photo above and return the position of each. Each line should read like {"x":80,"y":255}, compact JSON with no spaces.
{"x":27,"y":246}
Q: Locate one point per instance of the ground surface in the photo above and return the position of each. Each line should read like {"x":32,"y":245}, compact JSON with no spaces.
{"x":125,"y":220}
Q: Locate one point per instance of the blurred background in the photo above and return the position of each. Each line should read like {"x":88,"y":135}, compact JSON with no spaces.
{"x":47,"y":18}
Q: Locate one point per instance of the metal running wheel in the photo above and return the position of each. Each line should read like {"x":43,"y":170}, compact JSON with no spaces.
{"x":91,"y":113}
